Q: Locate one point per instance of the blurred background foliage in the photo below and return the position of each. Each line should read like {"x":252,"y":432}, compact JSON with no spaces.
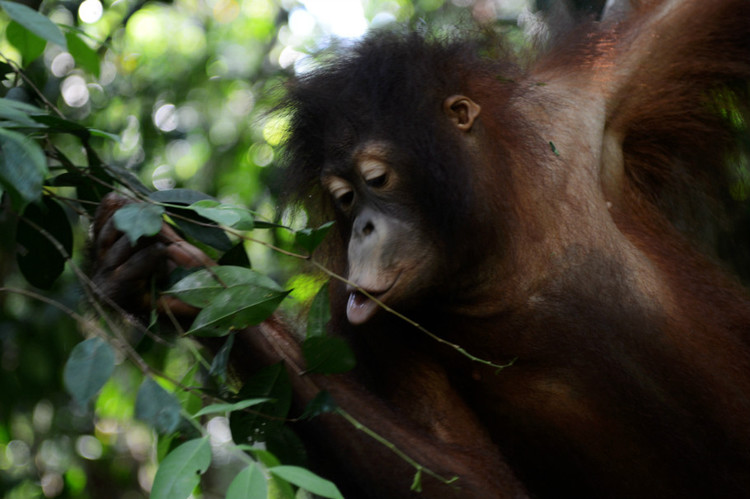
{"x":187,"y":87}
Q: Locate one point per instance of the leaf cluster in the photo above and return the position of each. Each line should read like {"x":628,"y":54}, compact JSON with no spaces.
{"x":45,"y":189}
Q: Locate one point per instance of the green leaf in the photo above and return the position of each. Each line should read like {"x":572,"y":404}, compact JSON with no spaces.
{"x":85,"y":56}
{"x":180,"y":472}
{"x":105,"y":135}
{"x":88,"y":368}
{"x":22,"y":168}
{"x":224,"y":214}
{"x":261,"y":455}
{"x":139,"y":219}
{"x":122,"y":175}
{"x":178,"y":196}
{"x":221,"y":360}
{"x":323,"y":403}
{"x":156,"y":406}
{"x":319,"y":314}
{"x":57,"y":124}
{"x":39,"y":260}
{"x":231,"y":297}
{"x":309,"y":239}
{"x":18,"y":112}
{"x":34,"y":22}
{"x":328,"y":355}
{"x":237,"y":307}
{"x":271,"y":382}
{"x":416,"y":483}
{"x":211,"y":236}
{"x":237,"y":406}
{"x":277,"y":488}
{"x":248,"y":484}
{"x":236,"y":256}
{"x":28,"y":44}
{"x":286,"y":445}
{"x":307,"y":480}
{"x":201,"y":288}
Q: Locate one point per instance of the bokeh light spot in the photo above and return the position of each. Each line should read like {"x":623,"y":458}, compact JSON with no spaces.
{"x":261,"y":154}
{"x":301,"y":23}
{"x":74,"y":91}
{"x":90,"y":11}
{"x":62,"y":64}
{"x":89,"y":447}
{"x":165,"y":118}
{"x":52,"y":484}
{"x":162,"y":178}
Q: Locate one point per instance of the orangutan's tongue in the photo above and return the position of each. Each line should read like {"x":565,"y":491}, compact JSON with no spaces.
{"x":359,"y":308}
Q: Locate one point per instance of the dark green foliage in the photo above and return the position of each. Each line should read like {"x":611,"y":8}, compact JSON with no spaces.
{"x":271,"y":383}
{"x":180,"y":471}
{"x":328,"y":355}
{"x":40,"y":231}
{"x":89,"y":366}
{"x":157,"y":407}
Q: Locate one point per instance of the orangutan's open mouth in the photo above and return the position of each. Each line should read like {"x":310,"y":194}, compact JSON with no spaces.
{"x":360,"y":307}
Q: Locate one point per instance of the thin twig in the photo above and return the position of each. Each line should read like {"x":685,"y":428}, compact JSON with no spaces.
{"x":49,"y":301}
{"x":412,"y":322}
{"x":391,"y":446}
